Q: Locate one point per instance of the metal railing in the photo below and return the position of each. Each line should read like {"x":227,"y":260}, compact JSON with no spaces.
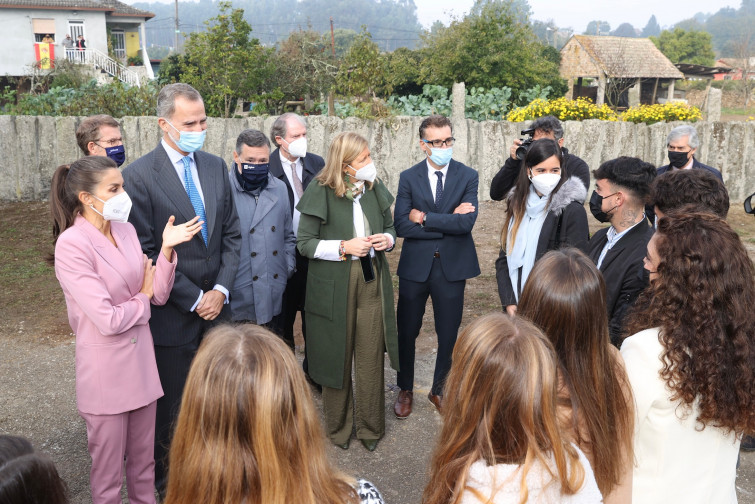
{"x":103,"y":62}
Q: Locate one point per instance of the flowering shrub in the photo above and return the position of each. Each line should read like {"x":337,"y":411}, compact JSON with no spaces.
{"x":563,"y":109}
{"x":674,"y":111}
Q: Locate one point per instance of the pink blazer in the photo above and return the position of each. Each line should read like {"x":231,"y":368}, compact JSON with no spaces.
{"x":115,"y":357}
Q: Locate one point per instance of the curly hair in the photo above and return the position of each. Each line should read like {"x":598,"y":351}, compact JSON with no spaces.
{"x":677,"y":188}
{"x":702,"y":301}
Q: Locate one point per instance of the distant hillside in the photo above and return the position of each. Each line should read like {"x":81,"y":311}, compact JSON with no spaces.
{"x":392,"y":23}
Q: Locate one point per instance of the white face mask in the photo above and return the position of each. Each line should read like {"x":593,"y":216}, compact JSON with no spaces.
{"x":367,"y":172}
{"x":298,"y":148}
{"x":116,"y":208}
{"x":545,"y":183}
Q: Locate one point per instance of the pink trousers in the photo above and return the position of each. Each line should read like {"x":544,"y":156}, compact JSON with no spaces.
{"x":110,"y":438}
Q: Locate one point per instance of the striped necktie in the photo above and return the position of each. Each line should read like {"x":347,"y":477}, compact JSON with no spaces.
{"x":196,"y":200}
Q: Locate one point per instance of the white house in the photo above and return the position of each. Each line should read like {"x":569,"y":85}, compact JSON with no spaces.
{"x":27,"y":23}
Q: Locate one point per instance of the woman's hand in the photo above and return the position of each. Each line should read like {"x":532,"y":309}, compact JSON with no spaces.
{"x":358,"y":247}
{"x":511,"y":310}
{"x":149,"y":276}
{"x":379,"y":242}
{"x":175,"y":235}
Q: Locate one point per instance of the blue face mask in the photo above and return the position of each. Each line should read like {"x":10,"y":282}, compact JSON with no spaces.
{"x":253,"y":176}
{"x":189,"y":141}
{"x":117,"y":154}
{"x":441,"y":157}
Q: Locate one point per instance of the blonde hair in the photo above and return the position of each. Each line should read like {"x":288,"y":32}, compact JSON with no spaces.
{"x":343,"y":150}
{"x":248,"y":430}
{"x":499,"y":406}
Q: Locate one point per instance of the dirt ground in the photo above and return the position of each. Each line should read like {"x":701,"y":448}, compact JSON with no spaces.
{"x":37,"y":361}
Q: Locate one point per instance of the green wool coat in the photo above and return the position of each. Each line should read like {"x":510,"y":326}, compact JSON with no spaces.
{"x":325,"y":216}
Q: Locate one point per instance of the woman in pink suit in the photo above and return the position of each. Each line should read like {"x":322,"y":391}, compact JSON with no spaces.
{"x":108,"y":285}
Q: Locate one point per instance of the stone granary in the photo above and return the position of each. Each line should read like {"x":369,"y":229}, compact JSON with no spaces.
{"x":629,"y":71}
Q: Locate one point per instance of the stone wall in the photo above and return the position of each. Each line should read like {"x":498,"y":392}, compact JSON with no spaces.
{"x":31,"y":147}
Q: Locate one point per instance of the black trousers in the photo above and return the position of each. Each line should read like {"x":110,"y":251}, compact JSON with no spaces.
{"x":293,"y":301}
{"x":448,"y":306}
{"x":173,"y":363}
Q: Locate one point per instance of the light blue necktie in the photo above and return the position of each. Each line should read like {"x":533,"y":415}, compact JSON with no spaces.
{"x":196,"y":200}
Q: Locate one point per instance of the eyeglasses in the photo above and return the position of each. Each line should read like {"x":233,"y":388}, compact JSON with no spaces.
{"x":448,"y":142}
{"x":110,"y":143}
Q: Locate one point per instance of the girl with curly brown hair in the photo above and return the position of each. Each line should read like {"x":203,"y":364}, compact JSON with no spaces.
{"x":691,"y":363}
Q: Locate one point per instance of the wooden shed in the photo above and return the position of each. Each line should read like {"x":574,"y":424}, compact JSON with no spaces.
{"x":628,"y":70}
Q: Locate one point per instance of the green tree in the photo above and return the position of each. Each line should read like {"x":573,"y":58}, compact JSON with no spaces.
{"x":488,"y":48}
{"x":681,"y":46}
{"x":403,"y":72}
{"x":305,"y":65}
{"x":625,"y":30}
{"x":652,"y":29}
{"x":225,"y":63}
{"x":344,"y":39}
{"x":598,"y":28}
{"x":363,"y":68}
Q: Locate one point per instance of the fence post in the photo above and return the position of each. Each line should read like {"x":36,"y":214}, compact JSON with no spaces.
{"x":458,"y":105}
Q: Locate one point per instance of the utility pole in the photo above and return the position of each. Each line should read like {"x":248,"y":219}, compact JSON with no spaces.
{"x":175,"y":39}
{"x":331,"y":96}
{"x":332,"y":37}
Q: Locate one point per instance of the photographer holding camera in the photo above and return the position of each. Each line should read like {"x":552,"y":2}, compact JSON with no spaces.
{"x":543,"y":127}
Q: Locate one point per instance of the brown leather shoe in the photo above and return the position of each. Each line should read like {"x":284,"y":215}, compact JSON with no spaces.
{"x":403,"y":405}
{"x":437,"y":400}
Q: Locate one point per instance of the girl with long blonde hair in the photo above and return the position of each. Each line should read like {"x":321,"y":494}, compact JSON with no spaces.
{"x":248,"y":431}
{"x":501,"y":441}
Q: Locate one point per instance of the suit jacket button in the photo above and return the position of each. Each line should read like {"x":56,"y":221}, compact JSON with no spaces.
{"x":255,"y":277}
{"x":206,"y":282}
{"x":275,"y":252}
{"x":209,"y":258}
{"x":251,"y":231}
{"x":272,"y":228}
{"x":254,"y":254}
{"x":275,"y":276}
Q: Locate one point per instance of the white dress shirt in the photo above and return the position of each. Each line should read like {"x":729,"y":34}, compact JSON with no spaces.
{"x":287,"y":167}
{"x":327,"y":250}
{"x":431,"y":175}
{"x":613,"y":238}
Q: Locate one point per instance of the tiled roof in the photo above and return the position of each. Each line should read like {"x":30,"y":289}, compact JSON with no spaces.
{"x":114,"y":7}
{"x":624,"y":57}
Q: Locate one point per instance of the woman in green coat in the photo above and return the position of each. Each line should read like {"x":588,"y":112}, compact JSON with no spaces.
{"x":345,"y":229}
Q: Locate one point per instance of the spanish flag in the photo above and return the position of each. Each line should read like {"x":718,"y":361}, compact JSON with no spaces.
{"x":45,"y":54}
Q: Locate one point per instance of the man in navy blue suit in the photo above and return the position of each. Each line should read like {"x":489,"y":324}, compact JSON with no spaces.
{"x":436,"y":208}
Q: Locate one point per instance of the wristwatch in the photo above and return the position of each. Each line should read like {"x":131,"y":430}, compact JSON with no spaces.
{"x":424,"y":218}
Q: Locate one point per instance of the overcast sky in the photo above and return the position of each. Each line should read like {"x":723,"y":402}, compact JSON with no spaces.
{"x":576,"y":14}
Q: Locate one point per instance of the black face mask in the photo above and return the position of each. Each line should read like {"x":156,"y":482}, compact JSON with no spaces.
{"x":678,"y":159}
{"x":252,"y":176}
{"x":596,"y":202}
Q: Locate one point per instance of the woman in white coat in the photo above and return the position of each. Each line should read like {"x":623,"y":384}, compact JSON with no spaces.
{"x":691,"y":362}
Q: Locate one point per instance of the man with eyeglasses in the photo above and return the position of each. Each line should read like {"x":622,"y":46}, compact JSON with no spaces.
{"x":545,"y":127}
{"x":682,"y":143}
{"x":100,"y":135}
{"x":436,"y":209}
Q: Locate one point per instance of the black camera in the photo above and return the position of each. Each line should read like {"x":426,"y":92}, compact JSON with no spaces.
{"x":521,"y":151}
